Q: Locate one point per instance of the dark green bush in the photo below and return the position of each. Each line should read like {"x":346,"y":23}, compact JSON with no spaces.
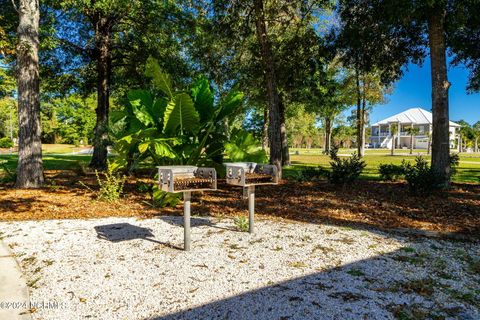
{"x":346,"y":170}
{"x":420,"y":176}
{"x":454,"y":162}
{"x":390,"y":172}
{"x":6,"y":142}
{"x":7,"y":176}
{"x":308,"y":173}
{"x":164,"y":199}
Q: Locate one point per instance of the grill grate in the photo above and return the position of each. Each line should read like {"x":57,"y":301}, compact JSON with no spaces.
{"x":249,"y":173}
{"x":182,"y":184}
{"x":186,"y":178}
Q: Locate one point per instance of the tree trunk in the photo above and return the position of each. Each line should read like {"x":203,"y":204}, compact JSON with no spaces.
{"x":411,"y":144}
{"x":30,"y":167}
{"x":429,"y":145}
{"x":362,"y":125}
{"x":328,"y":135}
{"x":392,"y":152}
{"x":283,"y":133}
{"x":275,"y":135}
{"x":359,"y":113}
{"x":411,"y":138}
{"x":476,"y":144}
{"x":103,"y":27}
{"x":265,"y":130}
{"x":440,"y":86}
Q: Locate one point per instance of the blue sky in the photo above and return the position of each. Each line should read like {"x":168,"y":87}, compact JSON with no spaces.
{"x":414,"y":90}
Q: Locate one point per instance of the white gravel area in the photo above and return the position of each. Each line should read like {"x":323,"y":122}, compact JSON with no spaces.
{"x":127,"y":268}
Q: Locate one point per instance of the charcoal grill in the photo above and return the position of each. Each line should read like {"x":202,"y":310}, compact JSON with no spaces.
{"x":248,"y":175}
{"x":186,"y":179}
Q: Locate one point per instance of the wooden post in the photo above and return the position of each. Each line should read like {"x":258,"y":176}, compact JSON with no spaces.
{"x":251,"y":207}
{"x":187,"y":195}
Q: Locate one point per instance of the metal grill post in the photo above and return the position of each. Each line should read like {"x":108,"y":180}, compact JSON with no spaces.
{"x":187,"y":195}
{"x":251,"y":207}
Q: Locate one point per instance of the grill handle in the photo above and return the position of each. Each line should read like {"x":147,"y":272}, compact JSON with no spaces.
{"x":207,"y":173}
{"x":165,"y":179}
{"x":269,"y":169}
{"x":236,"y":173}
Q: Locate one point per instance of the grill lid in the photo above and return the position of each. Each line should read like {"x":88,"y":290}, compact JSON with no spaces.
{"x":180,"y":169}
{"x":248,"y":166}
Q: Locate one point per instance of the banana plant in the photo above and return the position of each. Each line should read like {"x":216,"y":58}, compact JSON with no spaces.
{"x":173,"y":127}
{"x":244,"y":147}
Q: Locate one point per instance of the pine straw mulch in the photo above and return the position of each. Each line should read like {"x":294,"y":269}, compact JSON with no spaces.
{"x":365,"y":204}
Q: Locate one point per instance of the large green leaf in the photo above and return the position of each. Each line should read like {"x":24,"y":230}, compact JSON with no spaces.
{"x":158,"y":110}
{"x":150,"y":133}
{"x":142,"y":147}
{"x":141,"y":102}
{"x":244,"y":147}
{"x":161,"y":148}
{"x":134,"y":125}
{"x":139,"y":97}
{"x":118,"y":115}
{"x":180,"y":114}
{"x":160,"y":79}
{"x":203,"y":98}
{"x":122,"y":145}
{"x":165,"y":199}
{"x":230,"y":104}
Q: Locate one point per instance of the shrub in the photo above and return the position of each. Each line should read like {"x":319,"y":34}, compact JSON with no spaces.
{"x":111,"y":186}
{"x":144,"y":187}
{"x":308,"y":173}
{"x":241,"y":223}
{"x":164,"y":199}
{"x":390,"y":172}
{"x":314,"y":173}
{"x":454,"y":162}
{"x":6,"y":142}
{"x":420,"y":176}
{"x":346,"y":170}
{"x":8,"y":176}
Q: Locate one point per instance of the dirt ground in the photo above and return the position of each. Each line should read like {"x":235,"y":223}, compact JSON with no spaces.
{"x":367,"y":203}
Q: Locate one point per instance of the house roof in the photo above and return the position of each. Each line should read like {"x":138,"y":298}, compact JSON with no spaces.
{"x":412,"y":116}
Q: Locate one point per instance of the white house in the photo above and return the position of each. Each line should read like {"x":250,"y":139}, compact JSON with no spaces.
{"x":381,"y":136}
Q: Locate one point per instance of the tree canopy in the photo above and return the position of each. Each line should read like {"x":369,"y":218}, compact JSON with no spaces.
{"x":299,"y":64}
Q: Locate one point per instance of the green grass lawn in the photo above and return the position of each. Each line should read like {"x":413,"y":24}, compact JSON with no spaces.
{"x":55,"y":157}
{"x":52,"y":162}
{"x":60,"y":148}
{"x":468,"y":171}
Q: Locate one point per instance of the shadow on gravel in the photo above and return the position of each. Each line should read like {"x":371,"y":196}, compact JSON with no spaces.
{"x":376,"y":288}
{"x":119,"y":232}
{"x":194,"y":222}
